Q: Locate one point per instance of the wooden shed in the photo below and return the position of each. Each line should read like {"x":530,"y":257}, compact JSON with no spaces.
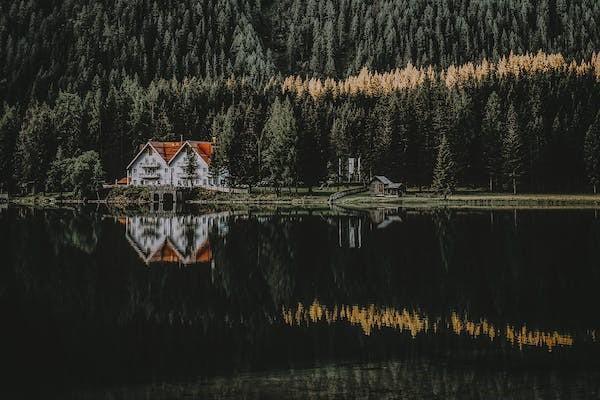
{"x":381,"y":186}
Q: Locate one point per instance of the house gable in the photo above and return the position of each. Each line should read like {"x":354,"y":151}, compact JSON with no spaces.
{"x":202,"y":149}
{"x":143,"y":151}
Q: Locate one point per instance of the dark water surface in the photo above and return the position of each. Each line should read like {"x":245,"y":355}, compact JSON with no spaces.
{"x":275,"y":304}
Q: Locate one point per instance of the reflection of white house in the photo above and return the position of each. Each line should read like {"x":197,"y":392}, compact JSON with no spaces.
{"x":350,"y":232}
{"x":173,"y":239}
{"x":168,"y":164}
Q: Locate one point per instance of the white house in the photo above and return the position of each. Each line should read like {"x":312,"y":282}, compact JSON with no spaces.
{"x":179,"y":164}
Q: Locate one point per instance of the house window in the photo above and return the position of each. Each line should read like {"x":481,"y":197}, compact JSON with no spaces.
{"x":204,"y":182}
{"x":149,"y":151}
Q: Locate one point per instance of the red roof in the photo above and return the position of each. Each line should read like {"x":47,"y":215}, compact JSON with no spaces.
{"x":204,"y":149}
{"x":123,"y":181}
{"x":168,"y":150}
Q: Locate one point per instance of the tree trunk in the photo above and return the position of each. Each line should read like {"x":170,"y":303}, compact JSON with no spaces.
{"x":514,"y":185}
{"x":491,"y":184}
{"x":595,"y":189}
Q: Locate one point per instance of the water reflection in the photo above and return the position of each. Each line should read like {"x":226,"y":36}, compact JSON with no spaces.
{"x":172,"y":238}
{"x":372,"y":318}
{"x":82,"y":305}
{"x":409,"y":379}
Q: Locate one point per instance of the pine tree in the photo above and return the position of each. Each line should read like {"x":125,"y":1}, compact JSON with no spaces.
{"x":68,"y":117}
{"x":9,"y":129}
{"x":313,"y":146}
{"x":492,"y":139}
{"x":58,"y":173}
{"x":190,"y":166}
{"x":228,"y":152}
{"x":591,"y":152}
{"x":36,"y":146}
{"x":512,"y":149}
{"x":444,"y":174}
{"x":249,"y":137}
{"x":280,"y":154}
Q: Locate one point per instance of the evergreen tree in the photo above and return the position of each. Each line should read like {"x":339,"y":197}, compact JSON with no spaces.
{"x":492,"y":139}
{"x":512,"y":150}
{"x":36,"y":146}
{"x":9,"y":129}
{"x":592,"y":152}
{"x":444,"y":175}
{"x":58,"y":179}
{"x":313,"y":146}
{"x":68,"y":117}
{"x":250,"y":136}
{"x":227,"y":149}
{"x":280,"y":153}
{"x":190,"y":166}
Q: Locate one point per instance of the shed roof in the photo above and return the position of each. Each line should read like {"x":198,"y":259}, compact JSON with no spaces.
{"x":382,"y":179}
{"x":394,"y":186}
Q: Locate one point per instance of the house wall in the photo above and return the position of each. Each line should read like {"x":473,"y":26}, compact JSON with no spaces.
{"x":376,"y":187}
{"x":202,"y":178}
{"x":139,"y":177}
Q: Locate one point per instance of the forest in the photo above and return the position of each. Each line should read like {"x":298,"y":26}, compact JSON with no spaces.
{"x":502,"y":94}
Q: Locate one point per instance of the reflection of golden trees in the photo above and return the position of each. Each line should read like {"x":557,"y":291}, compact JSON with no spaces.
{"x":371,"y":317}
{"x":368,"y":318}
{"x":410,"y":77}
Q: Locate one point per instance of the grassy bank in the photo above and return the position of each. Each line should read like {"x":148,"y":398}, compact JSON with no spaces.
{"x":475,"y":200}
{"x":42,"y":199}
{"x":264,"y":196}
{"x":131,"y":196}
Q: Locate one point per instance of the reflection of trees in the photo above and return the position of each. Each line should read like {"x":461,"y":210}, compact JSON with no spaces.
{"x":415,"y":378}
{"x":75,"y":229}
{"x":446,"y":235}
{"x":277,"y":257}
{"x":373,"y":318}
{"x":232,"y":312}
{"x":189,"y":231}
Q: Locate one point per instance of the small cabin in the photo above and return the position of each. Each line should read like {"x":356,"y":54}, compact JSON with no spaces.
{"x":381,"y":186}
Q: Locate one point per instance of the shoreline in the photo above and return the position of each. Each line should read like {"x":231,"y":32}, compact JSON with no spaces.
{"x":356,"y":201}
{"x":477,"y":201}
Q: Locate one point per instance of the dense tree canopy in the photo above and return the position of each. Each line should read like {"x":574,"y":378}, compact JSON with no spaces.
{"x":53,"y":45}
{"x":382,"y":80}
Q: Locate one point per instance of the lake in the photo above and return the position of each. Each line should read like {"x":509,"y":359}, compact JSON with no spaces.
{"x":297,"y":303}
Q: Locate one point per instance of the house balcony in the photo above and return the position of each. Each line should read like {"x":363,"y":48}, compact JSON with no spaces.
{"x":187,"y":176}
{"x":150,"y":175}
